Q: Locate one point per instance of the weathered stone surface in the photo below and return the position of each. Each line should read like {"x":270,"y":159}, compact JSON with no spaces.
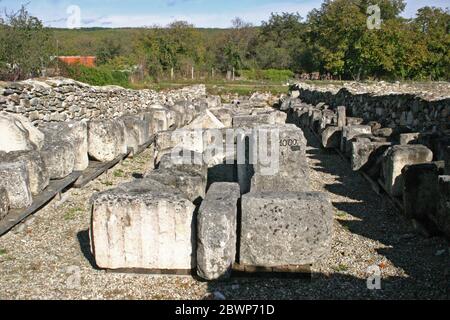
{"x":4,"y":203}
{"x":281,"y":229}
{"x":250,"y":121}
{"x":37,"y":171}
{"x":331,"y":137}
{"x":420,"y":192}
{"x":408,"y":138}
{"x":143,"y":229}
{"x":349,"y":132}
{"x":206,"y":120}
{"x":185,"y":160}
{"x":74,"y":133}
{"x":351,"y":121}
{"x":59,"y":158}
{"x":225,"y":115}
{"x":18,"y":134}
{"x":192,"y":185}
{"x":106,"y":140}
{"x":364,"y":152}
{"x":383,"y":132}
{"x":216,"y":227}
{"x":15,"y":180}
{"x":442,"y":216}
{"x":396,"y":158}
{"x":181,"y":139}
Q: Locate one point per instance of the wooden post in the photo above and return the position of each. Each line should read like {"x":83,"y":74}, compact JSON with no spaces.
{"x":192,"y":72}
{"x":234,"y":74}
{"x":171,"y":73}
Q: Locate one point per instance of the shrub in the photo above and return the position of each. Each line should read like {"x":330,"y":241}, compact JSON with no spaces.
{"x":98,"y":76}
{"x":269,"y":74}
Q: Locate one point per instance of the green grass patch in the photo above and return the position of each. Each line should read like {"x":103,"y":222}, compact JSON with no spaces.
{"x":269,"y":74}
{"x":341,"y":267}
{"x":3,"y":252}
{"x":119,"y":173}
{"x":97,"y":76}
{"x":72,"y":213}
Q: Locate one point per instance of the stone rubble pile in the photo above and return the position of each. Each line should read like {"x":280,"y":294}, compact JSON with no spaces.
{"x":409,"y":158}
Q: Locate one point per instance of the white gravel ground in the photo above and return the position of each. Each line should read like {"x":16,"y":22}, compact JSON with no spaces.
{"x":48,"y":256}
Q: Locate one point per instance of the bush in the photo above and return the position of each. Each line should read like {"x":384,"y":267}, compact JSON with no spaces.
{"x":98,"y":76}
{"x":270,"y":74}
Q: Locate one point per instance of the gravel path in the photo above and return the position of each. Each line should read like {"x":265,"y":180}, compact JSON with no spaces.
{"x":48,"y":256}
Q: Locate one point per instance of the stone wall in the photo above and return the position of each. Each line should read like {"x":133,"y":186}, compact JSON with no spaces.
{"x":419,"y":107}
{"x":59,"y":99}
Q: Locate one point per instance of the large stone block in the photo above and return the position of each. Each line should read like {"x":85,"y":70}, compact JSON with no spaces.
{"x":143,"y":228}
{"x":365,"y":152}
{"x":37,"y":171}
{"x":58,"y":155}
{"x":280,"y":229}
{"x":192,"y":185}
{"x":4,"y":203}
{"x":206,"y":120}
{"x":396,"y":158}
{"x":106,"y":140}
{"x":441,"y":218}
{"x":216,"y":231}
{"x":350,"y":132}
{"x":185,"y":160}
{"x":18,"y":134}
{"x":420,"y":192}
{"x":74,"y":133}
{"x":250,"y":121}
{"x":409,"y":138}
{"x":225,"y":115}
{"x":331,"y":137}
{"x":15,"y":180}
{"x":341,"y":116}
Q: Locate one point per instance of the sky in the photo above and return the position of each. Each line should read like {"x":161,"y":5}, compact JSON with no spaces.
{"x":202,"y":13}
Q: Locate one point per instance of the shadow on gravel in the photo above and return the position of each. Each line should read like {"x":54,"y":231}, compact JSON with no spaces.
{"x":377,"y":219}
{"x":85,"y":247}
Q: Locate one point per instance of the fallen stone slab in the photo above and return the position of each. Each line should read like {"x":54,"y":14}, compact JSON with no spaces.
{"x":74,"y":133}
{"x":4,"y":203}
{"x":141,"y":229}
{"x":396,"y":158}
{"x":15,"y":180}
{"x":250,"y":121}
{"x":106,"y":140}
{"x":225,"y":115}
{"x":280,"y":229}
{"x":206,"y":120}
{"x":420,"y":192}
{"x":59,"y":159}
{"x":37,"y":171}
{"x":181,"y":139}
{"x":216,"y":231}
{"x":185,"y":160}
{"x":331,"y":137}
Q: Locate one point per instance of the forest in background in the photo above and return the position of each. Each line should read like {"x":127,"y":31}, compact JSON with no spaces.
{"x":333,"y":40}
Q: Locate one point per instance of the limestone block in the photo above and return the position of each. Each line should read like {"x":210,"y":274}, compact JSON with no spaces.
{"x":408,"y":138}
{"x":185,"y":160}
{"x":216,"y":237}
{"x":280,"y":229}
{"x":106,"y":140}
{"x":59,"y":158}
{"x":396,"y":158}
{"x":420,"y":192}
{"x":15,"y":180}
{"x":331,"y":137}
{"x":364,"y":152}
{"x":206,"y":120}
{"x":15,"y":135}
{"x":143,"y":229}
{"x":349,"y":132}
{"x":74,"y":133}
{"x":37,"y":171}
{"x":342,"y":116}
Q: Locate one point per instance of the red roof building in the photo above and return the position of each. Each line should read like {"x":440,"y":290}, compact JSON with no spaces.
{"x":87,"y":61}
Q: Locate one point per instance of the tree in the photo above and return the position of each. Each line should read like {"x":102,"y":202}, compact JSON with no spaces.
{"x":26,"y":45}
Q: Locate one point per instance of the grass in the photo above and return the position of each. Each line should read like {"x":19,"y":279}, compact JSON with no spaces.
{"x":341,"y":214}
{"x":341,"y":268}
{"x":107,"y":183}
{"x":3,"y":252}
{"x":72,"y":213}
{"x":119,"y":173}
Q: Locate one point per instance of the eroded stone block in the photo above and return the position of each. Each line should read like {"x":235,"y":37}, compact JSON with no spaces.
{"x":280,"y":229}
{"x":331,"y":137}
{"x":216,"y":246}
{"x":106,"y":140}
{"x":15,"y":180}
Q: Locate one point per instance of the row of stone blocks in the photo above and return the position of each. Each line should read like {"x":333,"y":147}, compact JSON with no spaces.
{"x":153,"y":223}
{"x":401,"y":164}
{"x":32,"y":156}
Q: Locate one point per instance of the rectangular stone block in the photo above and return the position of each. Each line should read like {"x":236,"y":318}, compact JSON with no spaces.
{"x":216,"y":232}
{"x":350,"y":132}
{"x":365,"y":152}
{"x":341,"y":116}
{"x":106,"y":139}
{"x":249,"y":121}
{"x":15,"y":180}
{"x":420,"y":192}
{"x":280,"y":229}
{"x":140,"y":228}
{"x":396,"y":158}
{"x":442,"y":217}
{"x":331,"y":137}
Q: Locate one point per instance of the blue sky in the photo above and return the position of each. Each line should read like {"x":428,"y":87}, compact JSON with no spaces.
{"x":202,"y":13}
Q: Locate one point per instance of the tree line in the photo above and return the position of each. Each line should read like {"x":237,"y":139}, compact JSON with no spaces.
{"x":332,"y":40}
